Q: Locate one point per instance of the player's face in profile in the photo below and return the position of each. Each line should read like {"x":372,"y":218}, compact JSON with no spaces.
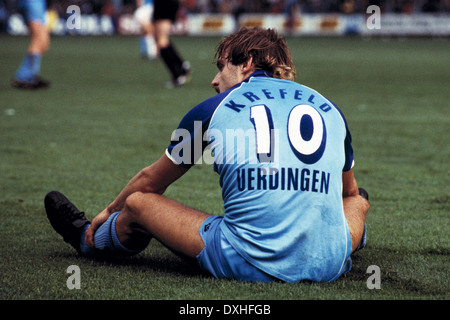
{"x":228,"y":76}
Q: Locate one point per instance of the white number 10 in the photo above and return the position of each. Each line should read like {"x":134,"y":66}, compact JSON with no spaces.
{"x":305,"y":128}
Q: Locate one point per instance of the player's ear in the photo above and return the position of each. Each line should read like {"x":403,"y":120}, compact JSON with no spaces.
{"x":247,"y":67}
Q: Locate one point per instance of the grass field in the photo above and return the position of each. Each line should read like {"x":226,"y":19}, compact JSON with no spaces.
{"x":108,"y":114}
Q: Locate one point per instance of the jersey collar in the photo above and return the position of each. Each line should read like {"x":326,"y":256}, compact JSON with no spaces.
{"x":259,"y":73}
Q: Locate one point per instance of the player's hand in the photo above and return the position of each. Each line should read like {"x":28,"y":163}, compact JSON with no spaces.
{"x":95,"y":224}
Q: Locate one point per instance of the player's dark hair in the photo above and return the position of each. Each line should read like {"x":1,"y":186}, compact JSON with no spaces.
{"x":268,"y":50}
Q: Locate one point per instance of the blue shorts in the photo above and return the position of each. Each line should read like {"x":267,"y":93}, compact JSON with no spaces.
{"x":33,"y":10}
{"x":221,"y":260}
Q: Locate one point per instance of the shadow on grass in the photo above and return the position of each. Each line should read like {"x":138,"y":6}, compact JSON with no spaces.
{"x":161,"y":262}
{"x":405,"y":273}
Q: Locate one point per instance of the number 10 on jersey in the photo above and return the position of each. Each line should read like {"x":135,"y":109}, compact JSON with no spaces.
{"x":305,"y":127}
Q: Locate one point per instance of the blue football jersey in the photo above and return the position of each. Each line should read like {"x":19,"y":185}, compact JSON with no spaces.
{"x":280,"y":149}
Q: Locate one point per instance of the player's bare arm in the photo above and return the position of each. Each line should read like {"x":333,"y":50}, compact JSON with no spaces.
{"x":349,"y":185}
{"x":152,"y":179}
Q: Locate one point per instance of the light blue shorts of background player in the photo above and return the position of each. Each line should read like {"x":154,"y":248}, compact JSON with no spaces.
{"x":221,"y":260}
{"x":33,"y":10}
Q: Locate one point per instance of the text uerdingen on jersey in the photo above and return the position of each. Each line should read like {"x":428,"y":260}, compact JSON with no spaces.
{"x":283,"y":179}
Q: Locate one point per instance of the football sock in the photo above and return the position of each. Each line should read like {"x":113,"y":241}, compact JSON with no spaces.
{"x":106,"y":240}
{"x":362,"y":243}
{"x":173,"y":61}
{"x":147,"y":47}
{"x":30,"y":67}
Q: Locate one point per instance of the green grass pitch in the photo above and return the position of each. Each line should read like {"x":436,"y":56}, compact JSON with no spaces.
{"x":108,"y":114}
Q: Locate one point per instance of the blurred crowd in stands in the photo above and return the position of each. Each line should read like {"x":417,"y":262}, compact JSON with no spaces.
{"x":112,"y":7}
{"x":236,"y":7}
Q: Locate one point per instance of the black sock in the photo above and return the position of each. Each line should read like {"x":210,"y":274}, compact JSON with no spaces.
{"x":173,"y":61}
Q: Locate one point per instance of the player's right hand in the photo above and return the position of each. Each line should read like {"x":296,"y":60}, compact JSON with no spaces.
{"x":95,"y":224}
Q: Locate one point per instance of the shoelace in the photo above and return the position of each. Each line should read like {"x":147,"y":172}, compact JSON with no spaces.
{"x":70,"y":213}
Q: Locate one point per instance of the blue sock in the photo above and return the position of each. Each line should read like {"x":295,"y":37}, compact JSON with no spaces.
{"x":143,"y":47}
{"x":106,"y":240}
{"x":30,"y":67}
{"x":36,"y":63}
{"x":362,"y":243}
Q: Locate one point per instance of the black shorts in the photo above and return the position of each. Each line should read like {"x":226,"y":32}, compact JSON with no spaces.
{"x":166,"y":10}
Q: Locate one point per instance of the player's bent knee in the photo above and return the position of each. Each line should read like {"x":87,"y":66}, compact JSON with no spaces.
{"x":366,"y":206}
{"x":133,"y":213}
{"x":133,"y":203}
{"x":138,"y":202}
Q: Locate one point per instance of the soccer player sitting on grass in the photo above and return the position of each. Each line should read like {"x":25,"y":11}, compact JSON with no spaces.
{"x":292,"y":208}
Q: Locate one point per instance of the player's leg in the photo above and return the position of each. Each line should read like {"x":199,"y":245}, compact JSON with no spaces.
{"x":178,"y":68}
{"x":129,"y":231}
{"x":355,"y":210}
{"x":162,"y":32}
{"x":27,"y":75}
{"x":147,"y":43}
{"x":40,"y":38}
{"x":152,"y":215}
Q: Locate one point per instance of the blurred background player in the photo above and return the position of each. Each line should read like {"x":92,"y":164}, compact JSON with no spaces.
{"x":164,"y":16}
{"x":147,"y":43}
{"x":27,"y":76}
